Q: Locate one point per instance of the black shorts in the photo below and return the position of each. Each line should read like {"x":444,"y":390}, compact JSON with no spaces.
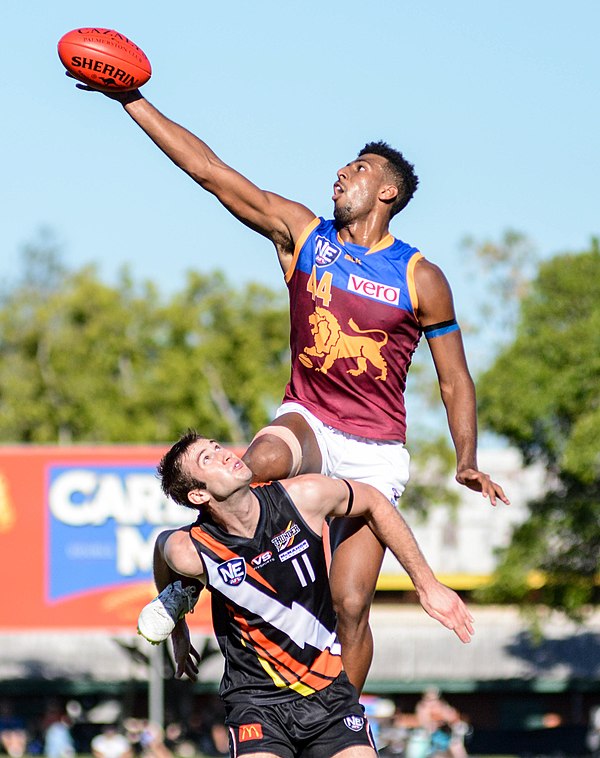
{"x":316,"y":726}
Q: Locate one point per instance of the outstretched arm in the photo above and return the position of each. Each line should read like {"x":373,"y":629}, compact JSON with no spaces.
{"x":280,"y":220}
{"x":318,"y":497}
{"x":435,"y":306}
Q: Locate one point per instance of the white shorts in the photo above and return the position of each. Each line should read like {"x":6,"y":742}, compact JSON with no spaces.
{"x":381,"y":463}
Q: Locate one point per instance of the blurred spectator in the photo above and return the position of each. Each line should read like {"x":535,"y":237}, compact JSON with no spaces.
{"x":111,"y":743}
{"x":58,"y":742}
{"x":147,"y":739}
{"x":394,"y":734}
{"x":220,"y":738}
{"x":593,"y":734}
{"x":175,"y":740}
{"x":205,"y":729}
{"x":442,"y":725}
{"x":418,"y":744}
{"x":428,"y":710}
{"x":152,"y":741}
{"x":13,"y":735}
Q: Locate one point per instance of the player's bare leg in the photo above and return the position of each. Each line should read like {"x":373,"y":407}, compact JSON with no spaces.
{"x":356,"y":751}
{"x":271,"y":456}
{"x":357,"y":559}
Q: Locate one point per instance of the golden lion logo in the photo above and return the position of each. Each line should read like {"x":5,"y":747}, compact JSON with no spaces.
{"x":332,"y":343}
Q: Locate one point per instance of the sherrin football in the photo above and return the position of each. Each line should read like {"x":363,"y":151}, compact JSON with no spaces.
{"x":104,"y":59}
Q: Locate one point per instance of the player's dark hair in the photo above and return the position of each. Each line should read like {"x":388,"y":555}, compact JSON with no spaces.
{"x":401,"y":171}
{"x":174,"y":481}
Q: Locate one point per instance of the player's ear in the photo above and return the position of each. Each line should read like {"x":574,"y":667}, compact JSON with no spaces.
{"x":198,"y":497}
{"x":388,"y":193}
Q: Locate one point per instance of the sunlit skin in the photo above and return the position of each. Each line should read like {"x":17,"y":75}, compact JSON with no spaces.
{"x":361,"y":188}
{"x":363,"y":198}
{"x":225,"y":475}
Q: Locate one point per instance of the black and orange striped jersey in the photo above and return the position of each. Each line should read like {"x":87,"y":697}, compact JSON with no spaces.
{"x":272,"y":609}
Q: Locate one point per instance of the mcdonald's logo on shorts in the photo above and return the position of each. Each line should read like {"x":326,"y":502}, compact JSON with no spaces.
{"x":250,"y":732}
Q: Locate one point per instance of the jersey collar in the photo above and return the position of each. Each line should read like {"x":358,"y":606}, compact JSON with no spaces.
{"x":387,"y":241}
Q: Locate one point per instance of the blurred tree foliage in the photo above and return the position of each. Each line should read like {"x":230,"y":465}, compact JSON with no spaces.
{"x":86,"y":362}
{"x":542,"y":393}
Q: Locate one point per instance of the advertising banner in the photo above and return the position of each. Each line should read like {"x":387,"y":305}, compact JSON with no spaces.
{"x":77,"y":532}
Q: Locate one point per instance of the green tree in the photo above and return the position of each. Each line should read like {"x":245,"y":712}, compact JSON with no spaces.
{"x":542,"y":394}
{"x":85,"y":361}
{"x":503,"y":270}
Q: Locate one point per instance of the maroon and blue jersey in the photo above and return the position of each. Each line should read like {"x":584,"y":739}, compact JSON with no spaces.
{"x":353,"y":331}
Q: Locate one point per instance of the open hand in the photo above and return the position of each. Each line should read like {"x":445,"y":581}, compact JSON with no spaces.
{"x":480,"y":482}
{"x":445,"y":606}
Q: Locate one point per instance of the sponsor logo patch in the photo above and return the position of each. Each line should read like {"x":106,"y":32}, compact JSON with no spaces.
{"x":300,"y":548}
{"x":352,"y":259}
{"x":261,"y":560}
{"x":285,"y":539}
{"x":354,"y":723}
{"x":375,"y":290}
{"x":250,"y":732}
{"x":233,"y":572}
{"x":326,"y":252}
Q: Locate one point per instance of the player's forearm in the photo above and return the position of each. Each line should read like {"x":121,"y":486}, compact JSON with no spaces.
{"x":391,"y":528}
{"x":461,"y":409}
{"x":187,"y":151}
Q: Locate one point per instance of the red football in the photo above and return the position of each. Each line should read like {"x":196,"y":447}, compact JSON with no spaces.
{"x":104,"y":59}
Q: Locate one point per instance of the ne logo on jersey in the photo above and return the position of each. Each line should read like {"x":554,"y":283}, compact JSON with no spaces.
{"x":262,"y":559}
{"x":374,"y":290}
{"x":284,"y":539}
{"x":233,"y":572}
{"x":355,"y":723}
{"x":326,"y":252}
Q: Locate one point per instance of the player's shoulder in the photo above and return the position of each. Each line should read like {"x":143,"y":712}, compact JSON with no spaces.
{"x":429,"y":274}
{"x":307,"y":487}
{"x":401,"y":249}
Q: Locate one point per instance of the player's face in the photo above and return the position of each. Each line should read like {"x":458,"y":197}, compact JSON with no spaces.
{"x":221,"y":470}
{"x":356,"y":190}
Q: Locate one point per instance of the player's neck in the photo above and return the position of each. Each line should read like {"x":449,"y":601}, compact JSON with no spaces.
{"x":366,"y":232}
{"x":239,"y":514}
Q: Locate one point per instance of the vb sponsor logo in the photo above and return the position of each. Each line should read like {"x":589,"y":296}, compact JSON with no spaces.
{"x":354,"y":723}
{"x":250,"y":732}
{"x":233,"y":572}
{"x":261,"y":560}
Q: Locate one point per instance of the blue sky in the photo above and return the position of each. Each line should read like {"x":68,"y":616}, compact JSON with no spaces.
{"x":496,"y":103}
